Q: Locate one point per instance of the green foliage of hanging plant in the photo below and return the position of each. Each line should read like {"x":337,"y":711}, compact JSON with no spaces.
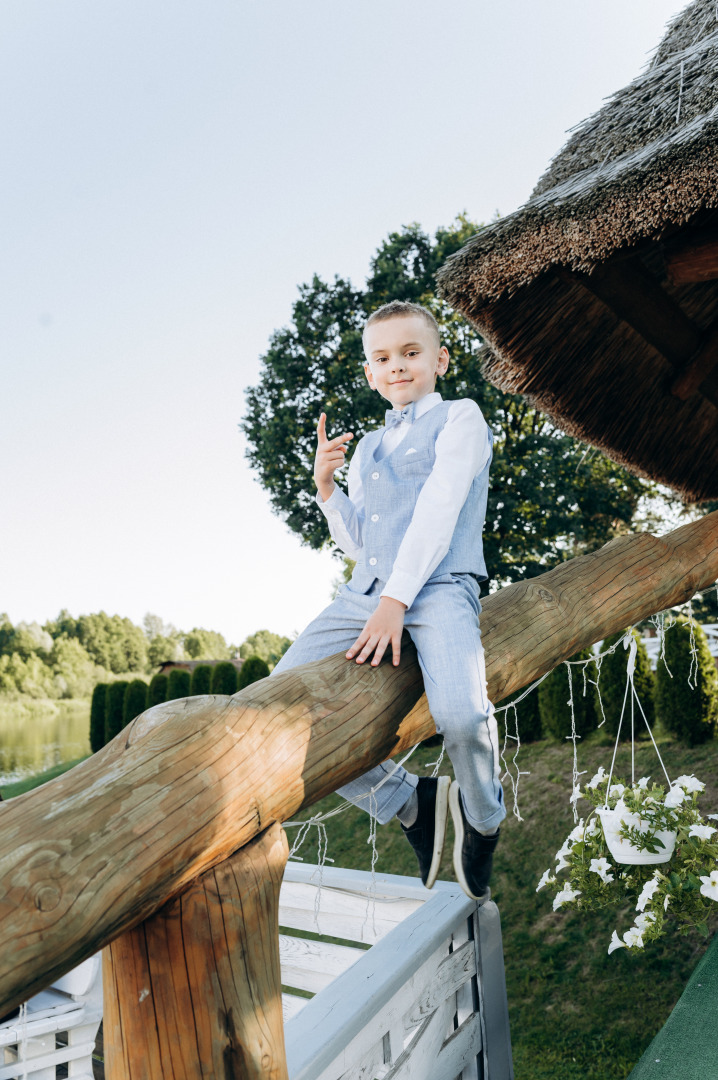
{"x":135,"y":700}
{"x":114,"y":709}
{"x":554,"y":695}
{"x":179,"y":684}
{"x":201,"y":680}
{"x":97,"y":717}
{"x":527,"y":715}
{"x":612,"y":686}
{"x":224,"y":678}
{"x":687,"y":684}
{"x":157,"y":690}
{"x":251,"y":671}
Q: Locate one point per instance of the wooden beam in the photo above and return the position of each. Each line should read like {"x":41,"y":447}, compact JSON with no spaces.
{"x":91,"y":854}
{"x":700,"y":367}
{"x":194,"y":992}
{"x":693,"y":259}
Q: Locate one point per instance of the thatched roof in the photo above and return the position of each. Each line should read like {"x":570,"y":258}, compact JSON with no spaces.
{"x":599,"y":298}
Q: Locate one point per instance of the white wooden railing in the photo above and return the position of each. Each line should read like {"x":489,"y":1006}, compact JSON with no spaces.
{"x":653,"y":643}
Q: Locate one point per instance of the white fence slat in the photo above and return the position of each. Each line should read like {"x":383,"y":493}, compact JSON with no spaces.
{"x":341,"y":914}
{"x":418,"y":1061}
{"x":49,"y":1022}
{"x":312,"y":965}
{"x":81,"y":1036}
{"x":41,"y":1065}
{"x":360,"y":883}
{"x":371,"y":1065}
{"x":498,"y":1062}
{"x":467,"y":996}
{"x":453,"y":972}
{"x":459,"y":1050}
{"x":292,"y":1004}
{"x":340,"y":1025}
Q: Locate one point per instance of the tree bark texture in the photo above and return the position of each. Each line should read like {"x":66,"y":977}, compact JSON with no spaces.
{"x":93,"y":853}
{"x":194,"y":992}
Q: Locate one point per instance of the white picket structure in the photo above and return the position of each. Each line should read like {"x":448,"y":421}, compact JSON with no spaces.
{"x":419,"y":995}
{"x":653,"y":643}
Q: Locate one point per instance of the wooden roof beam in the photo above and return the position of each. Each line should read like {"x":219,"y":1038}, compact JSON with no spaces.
{"x":693,"y":260}
{"x":634,"y":295}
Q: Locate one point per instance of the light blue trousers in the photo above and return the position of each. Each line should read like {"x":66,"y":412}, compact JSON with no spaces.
{"x":443,"y":623}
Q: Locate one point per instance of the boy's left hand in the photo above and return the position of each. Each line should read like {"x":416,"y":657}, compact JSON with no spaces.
{"x":383,"y":628}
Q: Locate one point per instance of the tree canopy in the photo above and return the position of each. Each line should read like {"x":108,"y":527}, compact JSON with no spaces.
{"x":550,"y":497}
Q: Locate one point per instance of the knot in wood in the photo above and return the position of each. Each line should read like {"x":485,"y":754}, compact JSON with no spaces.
{"x":47,"y":897}
{"x":547,"y":596}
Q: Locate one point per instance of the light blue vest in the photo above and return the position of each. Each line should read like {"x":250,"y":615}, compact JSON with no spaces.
{"x":391,"y":488}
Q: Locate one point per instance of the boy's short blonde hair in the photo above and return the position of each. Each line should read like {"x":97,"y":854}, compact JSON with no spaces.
{"x":400,"y":309}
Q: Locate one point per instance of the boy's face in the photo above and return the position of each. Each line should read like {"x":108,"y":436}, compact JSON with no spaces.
{"x":403,"y":358}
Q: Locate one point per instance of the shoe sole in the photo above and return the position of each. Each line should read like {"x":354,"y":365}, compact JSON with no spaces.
{"x":458,"y":819}
{"x":441,"y":817}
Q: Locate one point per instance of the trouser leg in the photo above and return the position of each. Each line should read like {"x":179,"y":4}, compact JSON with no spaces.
{"x":383,"y":790}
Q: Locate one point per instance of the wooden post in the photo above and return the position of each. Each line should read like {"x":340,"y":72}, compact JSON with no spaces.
{"x":194,"y":992}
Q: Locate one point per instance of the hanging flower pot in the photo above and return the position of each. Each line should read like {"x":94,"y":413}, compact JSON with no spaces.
{"x":659,"y":844}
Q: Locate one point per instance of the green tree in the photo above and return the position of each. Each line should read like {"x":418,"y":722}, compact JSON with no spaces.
{"x":687,"y":684}
{"x":612,"y":687}
{"x":179,"y":684}
{"x":74,"y":672}
{"x":270,"y":647}
{"x":98,"y":711}
{"x":253,"y":669}
{"x":112,"y":641}
{"x":224,"y":678}
{"x":163,"y":648}
{"x":201,"y":680}
{"x":527,"y":715}
{"x":203,"y":644}
{"x":157,"y":690}
{"x":135,"y":700}
{"x":554,"y":696}
{"x":114,"y":709}
{"x":549,"y":499}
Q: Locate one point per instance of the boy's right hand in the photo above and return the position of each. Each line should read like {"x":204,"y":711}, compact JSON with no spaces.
{"x":330,"y":456}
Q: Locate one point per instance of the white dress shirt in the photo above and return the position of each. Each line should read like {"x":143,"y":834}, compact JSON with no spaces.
{"x":462,"y":450}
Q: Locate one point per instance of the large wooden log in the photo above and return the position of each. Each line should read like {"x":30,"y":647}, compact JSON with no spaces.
{"x":96,"y":851}
{"x":194,"y":992}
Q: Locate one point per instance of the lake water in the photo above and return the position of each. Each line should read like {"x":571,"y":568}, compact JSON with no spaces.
{"x":37,"y":735}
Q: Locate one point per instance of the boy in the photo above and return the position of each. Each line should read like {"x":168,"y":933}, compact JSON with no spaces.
{"x":412,"y":521}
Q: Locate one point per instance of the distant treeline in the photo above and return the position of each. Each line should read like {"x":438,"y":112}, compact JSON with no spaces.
{"x":115,"y":704}
{"x":66,"y":657}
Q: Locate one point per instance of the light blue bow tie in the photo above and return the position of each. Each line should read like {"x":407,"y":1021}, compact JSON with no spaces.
{"x":400,"y":416}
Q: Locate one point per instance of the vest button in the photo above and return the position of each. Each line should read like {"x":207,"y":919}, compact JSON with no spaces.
{"x":372,"y":562}
{"x":375,"y":476}
{"x":375,"y":517}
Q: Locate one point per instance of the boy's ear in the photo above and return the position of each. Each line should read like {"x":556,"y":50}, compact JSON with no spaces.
{"x":442,"y":362}
{"x":368,"y":373}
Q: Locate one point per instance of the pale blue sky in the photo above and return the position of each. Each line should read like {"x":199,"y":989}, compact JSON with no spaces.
{"x":171,"y":172}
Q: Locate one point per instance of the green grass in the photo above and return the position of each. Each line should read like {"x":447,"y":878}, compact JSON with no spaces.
{"x":9,"y":791}
{"x":576,"y":1013}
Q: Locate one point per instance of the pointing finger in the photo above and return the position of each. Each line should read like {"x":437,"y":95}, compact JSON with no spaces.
{"x":322,"y":429}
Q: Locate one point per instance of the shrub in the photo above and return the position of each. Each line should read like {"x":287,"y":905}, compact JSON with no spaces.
{"x":157,"y":690}
{"x":612,"y":686}
{"x":98,"y":708}
{"x":224,"y":678}
{"x":554,"y":696}
{"x":201,"y":680}
{"x":251,"y":670}
{"x":689,"y":714}
{"x":114,"y":708}
{"x":135,"y":700}
{"x":528,"y":717}
{"x":179,"y":684}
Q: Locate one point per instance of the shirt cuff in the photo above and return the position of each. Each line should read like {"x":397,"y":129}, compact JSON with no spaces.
{"x":403,"y":587}
{"x":334,"y":504}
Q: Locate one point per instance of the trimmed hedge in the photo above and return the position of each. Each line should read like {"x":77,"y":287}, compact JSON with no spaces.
{"x":98,"y":709}
{"x":553,"y":694}
{"x":157,"y":690}
{"x":224,"y":678}
{"x":114,"y":709}
{"x":179,"y":684}
{"x":135,"y":700}
{"x":527,"y":714}
{"x":689,"y":714}
{"x":612,"y":686}
{"x":201,"y":680}
{"x":251,"y":671}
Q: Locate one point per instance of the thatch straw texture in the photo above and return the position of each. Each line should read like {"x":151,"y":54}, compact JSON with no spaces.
{"x":633,"y":178}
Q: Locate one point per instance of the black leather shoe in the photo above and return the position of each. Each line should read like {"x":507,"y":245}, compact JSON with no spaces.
{"x":473,"y":852}
{"x":428,"y":832}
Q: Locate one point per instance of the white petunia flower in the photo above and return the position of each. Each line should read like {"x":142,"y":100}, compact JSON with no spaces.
{"x":645,"y":919}
{"x":709,"y":887}
{"x":634,"y":938}
{"x":597,"y":778}
{"x":616,"y":789}
{"x":690,"y":784}
{"x":616,"y":943}
{"x":643,"y":782}
{"x":561,"y":863}
{"x":547,"y":878}
{"x":667,"y":901}
{"x":576,"y":834}
{"x":592,"y":827}
{"x":601,"y":867}
{"x":646,"y":893}
{"x":674,"y":797}
{"x":566,"y":896}
{"x":703,"y":832}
